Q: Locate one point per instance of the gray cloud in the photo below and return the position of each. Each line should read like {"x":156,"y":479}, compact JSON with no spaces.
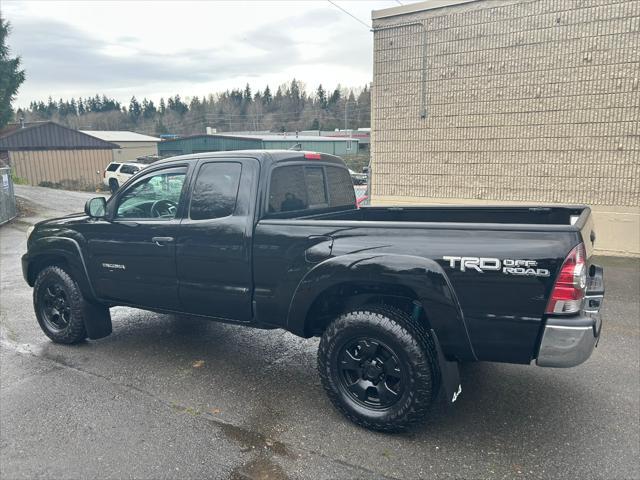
{"x":55,"y":52}
{"x":57,"y":56}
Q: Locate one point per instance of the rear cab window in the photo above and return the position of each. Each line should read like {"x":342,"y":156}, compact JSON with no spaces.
{"x":303,"y":189}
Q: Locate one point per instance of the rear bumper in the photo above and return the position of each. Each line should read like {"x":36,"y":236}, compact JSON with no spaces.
{"x":569,"y":341}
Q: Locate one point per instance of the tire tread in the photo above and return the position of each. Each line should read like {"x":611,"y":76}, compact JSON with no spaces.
{"x":421,"y":347}
{"x":76,"y":331}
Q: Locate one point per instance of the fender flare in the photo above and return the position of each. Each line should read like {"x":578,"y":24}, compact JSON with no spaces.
{"x":423,"y":276}
{"x":69,"y":249}
{"x":97,"y":320}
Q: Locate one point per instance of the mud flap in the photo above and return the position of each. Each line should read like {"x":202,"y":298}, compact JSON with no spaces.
{"x":449,"y":373}
{"x":97,"y":320}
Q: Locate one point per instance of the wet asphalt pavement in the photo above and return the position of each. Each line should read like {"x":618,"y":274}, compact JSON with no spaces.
{"x":174,"y":397}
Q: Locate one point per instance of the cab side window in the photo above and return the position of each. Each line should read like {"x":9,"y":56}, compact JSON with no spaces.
{"x":216,"y":191}
{"x":155,"y":196}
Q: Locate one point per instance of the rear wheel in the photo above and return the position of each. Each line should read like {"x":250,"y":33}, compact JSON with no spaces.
{"x":113,"y":185}
{"x":58,"y":304}
{"x":379,"y":368}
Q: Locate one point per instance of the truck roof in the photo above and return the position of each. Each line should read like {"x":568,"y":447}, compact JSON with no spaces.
{"x":265,"y":157}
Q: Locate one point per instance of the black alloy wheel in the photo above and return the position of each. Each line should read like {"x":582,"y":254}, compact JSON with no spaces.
{"x":55,"y":308}
{"x":370,"y":373}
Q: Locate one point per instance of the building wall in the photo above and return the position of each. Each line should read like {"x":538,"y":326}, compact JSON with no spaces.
{"x":200,"y":144}
{"x":534,"y":101}
{"x":130,"y":151}
{"x":219,"y":144}
{"x":333,"y":148}
{"x":74,"y":169}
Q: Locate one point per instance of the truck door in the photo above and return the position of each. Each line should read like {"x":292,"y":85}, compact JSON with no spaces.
{"x":132,"y":256}
{"x":213,"y":254}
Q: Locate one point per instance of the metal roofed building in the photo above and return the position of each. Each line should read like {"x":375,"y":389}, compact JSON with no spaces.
{"x":510,"y":102}
{"x":229,"y":141}
{"x":131,"y":145}
{"x":49,"y":153}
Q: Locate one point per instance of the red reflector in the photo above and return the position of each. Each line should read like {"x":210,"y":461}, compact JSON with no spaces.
{"x":312,"y":156}
{"x":570,"y":285}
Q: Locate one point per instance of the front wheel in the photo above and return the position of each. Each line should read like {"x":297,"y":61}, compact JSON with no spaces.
{"x":113,"y":185}
{"x":379,"y":368}
{"x":58,"y":304}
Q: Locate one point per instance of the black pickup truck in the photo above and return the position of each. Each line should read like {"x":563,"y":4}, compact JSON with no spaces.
{"x":273,"y":239}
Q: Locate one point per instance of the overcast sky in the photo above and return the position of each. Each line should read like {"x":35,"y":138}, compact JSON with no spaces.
{"x":153,"y":49}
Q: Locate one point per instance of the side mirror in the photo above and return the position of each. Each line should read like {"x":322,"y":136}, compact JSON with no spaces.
{"x":96,"y":207}
{"x":365,"y":169}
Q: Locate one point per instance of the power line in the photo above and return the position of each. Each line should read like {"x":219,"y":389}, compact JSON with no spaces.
{"x":351,"y":15}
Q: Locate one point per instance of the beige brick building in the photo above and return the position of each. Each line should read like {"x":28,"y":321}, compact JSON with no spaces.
{"x":530,"y":101}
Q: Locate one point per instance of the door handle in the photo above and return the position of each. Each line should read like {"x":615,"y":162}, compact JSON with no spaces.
{"x":161,"y":241}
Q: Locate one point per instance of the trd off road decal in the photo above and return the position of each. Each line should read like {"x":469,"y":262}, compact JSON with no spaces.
{"x":508,"y":266}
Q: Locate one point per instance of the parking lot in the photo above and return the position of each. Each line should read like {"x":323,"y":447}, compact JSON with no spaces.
{"x":175,"y":397}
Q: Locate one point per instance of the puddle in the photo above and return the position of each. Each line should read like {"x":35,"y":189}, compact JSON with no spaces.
{"x":262,"y":468}
{"x":259,"y":447}
{"x":254,"y":441}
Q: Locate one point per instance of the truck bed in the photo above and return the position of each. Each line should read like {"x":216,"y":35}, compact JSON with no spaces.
{"x":473,"y":216}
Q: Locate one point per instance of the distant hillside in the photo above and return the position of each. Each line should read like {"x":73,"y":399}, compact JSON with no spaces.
{"x":289,"y":108}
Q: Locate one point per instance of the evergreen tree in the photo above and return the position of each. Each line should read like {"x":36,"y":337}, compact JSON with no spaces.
{"x":148,"y":108}
{"x":51,"y":108}
{"x":163,"y":107}
{"x":195,"y":104}
{"x":335,"y":96}
{"x":11,"y":77}
{"x":266,"y":96}
{"x":236,"y":96}
{"x":364,"y":108}
{"x":294,"y":91}
{"x":135,"y":110}
{"x":247,"y":93}
{"x":175,"y":104}
{"x":321,"y":95}
{"x":97,"y":104}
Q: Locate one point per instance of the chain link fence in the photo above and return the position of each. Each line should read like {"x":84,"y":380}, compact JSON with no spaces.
{"x":7,"y":196}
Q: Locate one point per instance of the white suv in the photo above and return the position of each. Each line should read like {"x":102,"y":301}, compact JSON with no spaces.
{"x":117,"y":173}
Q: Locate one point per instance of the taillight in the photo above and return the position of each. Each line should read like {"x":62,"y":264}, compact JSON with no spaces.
{"x":568,"y":291}
{"x":312,"y":156}
{"x":104,"y":174}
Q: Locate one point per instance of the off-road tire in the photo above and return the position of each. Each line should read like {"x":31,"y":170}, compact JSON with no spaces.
{"x":416,"y":354}
{"x":75,"y":330}
{"x":113,"y":185}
